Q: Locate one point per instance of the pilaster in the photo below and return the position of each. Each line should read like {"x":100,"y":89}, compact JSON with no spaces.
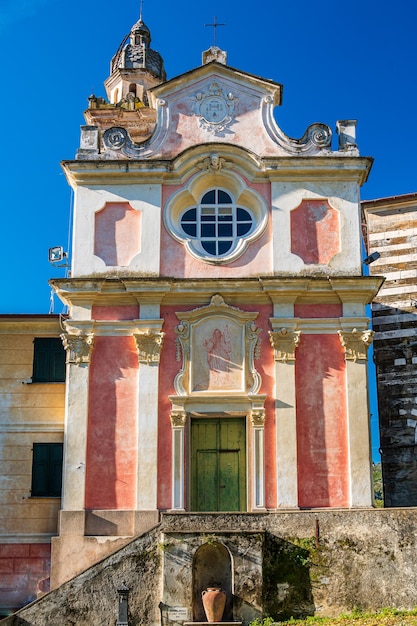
{"x":149,"y":343}
{"x":356,"y":343}
{"x":78,"y":345}
{"x":284,"y":340}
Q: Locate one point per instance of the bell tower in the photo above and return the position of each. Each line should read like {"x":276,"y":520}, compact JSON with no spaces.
{"x":134,"y":70}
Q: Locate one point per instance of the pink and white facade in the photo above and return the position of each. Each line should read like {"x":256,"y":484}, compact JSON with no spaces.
{"x":216,"y":274}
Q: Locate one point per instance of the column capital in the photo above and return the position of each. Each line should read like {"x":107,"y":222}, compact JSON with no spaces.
{"x":178,"y":419}
{"x":149,"y":345}
{"x":78,"y":347}
{"x":284,"y":343}
{"x":356,"y":343}
{"x":258,"y":417}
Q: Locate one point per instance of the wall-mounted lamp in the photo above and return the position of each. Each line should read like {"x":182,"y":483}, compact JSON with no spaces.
{"x":57,"y":255}
{"x":371,"y":258}
{"x":123,"y":594}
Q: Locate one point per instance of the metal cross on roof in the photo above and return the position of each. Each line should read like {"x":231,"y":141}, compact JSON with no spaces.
{"x":215,"y":25}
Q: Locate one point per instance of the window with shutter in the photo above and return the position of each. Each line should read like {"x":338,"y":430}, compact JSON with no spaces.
{"x":47,"y":470}
{"x":48,"y":360}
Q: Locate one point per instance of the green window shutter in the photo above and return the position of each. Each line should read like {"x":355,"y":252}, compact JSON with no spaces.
{"x":47,"y":470}
{"x":48,"y":360}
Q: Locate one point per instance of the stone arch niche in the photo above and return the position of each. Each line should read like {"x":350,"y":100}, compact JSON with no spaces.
{"x":212,"y":567}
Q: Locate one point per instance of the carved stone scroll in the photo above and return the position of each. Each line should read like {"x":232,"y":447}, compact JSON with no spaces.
{"x":149,"y":346}
{"x":284,"y":343}
{"x":78,"y":347}
{"x":356,"y":343}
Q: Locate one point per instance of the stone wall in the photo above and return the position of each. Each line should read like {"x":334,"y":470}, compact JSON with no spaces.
{"x":314,"y":562}
{"x":392,"y":232}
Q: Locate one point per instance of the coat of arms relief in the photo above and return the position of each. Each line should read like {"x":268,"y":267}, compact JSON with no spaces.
{"x":215,"y":108}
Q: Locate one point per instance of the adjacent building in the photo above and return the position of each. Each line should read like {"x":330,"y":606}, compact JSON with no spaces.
{"x":391,"y":231}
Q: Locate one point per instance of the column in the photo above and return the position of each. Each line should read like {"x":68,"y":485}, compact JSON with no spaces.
{"x":355,"y":344}
{"x":284,"y":340}
{"x":149,"y":344}
{"x":258,"y":473}
{"x":178,"y":422}
{"x":78,"y":348}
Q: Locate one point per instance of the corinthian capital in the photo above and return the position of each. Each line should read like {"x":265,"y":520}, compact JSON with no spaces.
{"x":284,"y":342}
{"x":149,"y":346}
{"x":258,"y":417}
{"x":356,"y":343}
{"x":78,"y":347}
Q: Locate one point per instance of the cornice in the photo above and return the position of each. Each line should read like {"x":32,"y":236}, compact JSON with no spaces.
{"x":334,"y":166}
{"x":262,"y":290}
{"x":32,"y":427}
{"x":120,"y":328}
{"x":30,"y":326}
{"x":27,"y":537}
{"x":319,"y":326}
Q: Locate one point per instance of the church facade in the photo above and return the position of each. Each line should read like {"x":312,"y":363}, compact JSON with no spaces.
{"x":216,"y":338}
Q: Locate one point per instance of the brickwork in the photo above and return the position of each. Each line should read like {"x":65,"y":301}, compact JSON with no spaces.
{"x":24,"y":573}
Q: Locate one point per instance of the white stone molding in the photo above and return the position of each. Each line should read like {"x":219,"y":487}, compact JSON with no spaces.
{"x":149,"y":340}
{"x":356,"y":343}
{"x":237,"y":373}
{"x":358,"y":434}
{"x":258,"y":471}
{"x":178,"y":419}
{"x":32,"y":427}
{"x":253,"y":350}
{"x":284,"y":343}
{"x":78,"y":340}
{"x":149,"y":346}
{"x":78,"y":347}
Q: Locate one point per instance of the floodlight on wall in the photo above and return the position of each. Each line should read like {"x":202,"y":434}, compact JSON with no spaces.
{"x":57,"y":255}
{"x":371,"y":258}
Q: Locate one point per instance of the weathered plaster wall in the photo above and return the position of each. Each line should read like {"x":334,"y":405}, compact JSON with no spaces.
{"x":323,"y":463}
{"x":89,"y":245}
{"x":112,"y":424}
{"x":29,"y":413}
{"x":317,"y":562}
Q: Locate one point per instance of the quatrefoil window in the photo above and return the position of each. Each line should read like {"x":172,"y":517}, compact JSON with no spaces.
{"x":216,"y":223}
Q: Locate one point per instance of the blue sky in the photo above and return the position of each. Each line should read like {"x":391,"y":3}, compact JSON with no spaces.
{"x":336,"y":59}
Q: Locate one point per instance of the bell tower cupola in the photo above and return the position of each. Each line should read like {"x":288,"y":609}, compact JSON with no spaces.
{"x":135,"y":67}
{"x":134,"y":70}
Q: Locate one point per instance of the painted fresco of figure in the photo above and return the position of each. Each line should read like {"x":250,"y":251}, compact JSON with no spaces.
{"x":219,"y":349}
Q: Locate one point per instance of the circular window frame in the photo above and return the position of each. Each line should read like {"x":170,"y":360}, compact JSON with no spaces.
{"x":190,"y":197}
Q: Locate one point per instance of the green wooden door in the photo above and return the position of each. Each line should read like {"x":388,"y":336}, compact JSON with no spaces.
{"x":218,"y":464}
